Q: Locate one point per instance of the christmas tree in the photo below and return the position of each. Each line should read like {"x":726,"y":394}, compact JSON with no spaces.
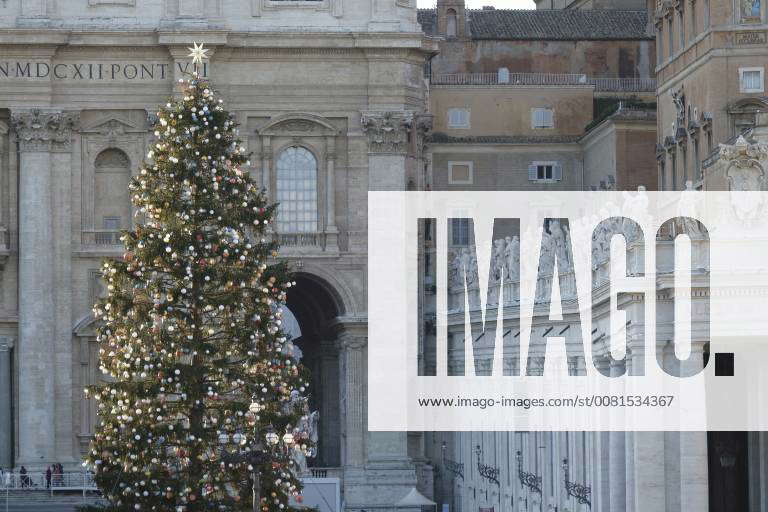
{"x":203,"y":407}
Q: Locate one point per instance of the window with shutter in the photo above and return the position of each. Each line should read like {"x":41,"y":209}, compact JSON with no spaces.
{"x":545,"y":171}
{"x":558,"y":172}
{"x":751,"y":79}
{"x":458,"y":118}
{"x":460,"y":231}
{"x":542,"y":118}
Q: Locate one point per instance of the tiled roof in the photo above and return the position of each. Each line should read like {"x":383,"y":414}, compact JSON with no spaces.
{"x":442,"y":138}
{"x":557,"y":25}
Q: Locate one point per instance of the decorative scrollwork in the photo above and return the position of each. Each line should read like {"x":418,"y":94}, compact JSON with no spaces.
{"x":490,"y":473}
{"x":457,"y":468}
{"x":582,"y":493}
{"x":529,"y":480}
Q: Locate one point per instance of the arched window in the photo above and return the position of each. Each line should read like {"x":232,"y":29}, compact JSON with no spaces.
{"x":451,"y":22}
{"x":112,"y":205}
{"x":297,"y":191}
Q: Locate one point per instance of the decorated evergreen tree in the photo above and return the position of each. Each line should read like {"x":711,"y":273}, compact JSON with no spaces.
{"x":203,"y":395}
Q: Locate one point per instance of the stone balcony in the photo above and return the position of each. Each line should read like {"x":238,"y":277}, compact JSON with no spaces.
{"x":102,"y":238}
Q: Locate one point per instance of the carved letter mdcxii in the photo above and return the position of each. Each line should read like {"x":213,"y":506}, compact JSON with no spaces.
{"x":44,"y":131}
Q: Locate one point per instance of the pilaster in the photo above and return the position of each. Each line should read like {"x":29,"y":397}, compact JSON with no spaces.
{"x":617,"y":455}
{"x":6,"y":393}
{"x":352,"y":385}
{"x":387,"y":133}
{"x":45,"y":140}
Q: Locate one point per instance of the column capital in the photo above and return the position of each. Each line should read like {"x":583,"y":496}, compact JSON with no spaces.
{"x":349,"y":342}
{"x":6,"y":343}
{"x":387,"y":130}
{"x":39,"y":130}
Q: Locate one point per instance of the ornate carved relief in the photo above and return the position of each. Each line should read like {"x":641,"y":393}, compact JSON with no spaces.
{"x":334,"y":6}
{"x":744,"y":164}
{"x":387,"y":131}
{"x":37,"y":130}
{"x":6,"y":343}
{"x":422,"y":131}
{"x":744,"y":154}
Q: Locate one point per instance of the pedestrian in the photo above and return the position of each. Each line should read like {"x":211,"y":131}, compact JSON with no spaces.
{"x":8,"y":477}
{"x":23,"y":473}
{"x":48,"y":478}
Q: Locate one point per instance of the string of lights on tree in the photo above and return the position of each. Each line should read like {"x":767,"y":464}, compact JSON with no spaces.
{"x":199,"y":377}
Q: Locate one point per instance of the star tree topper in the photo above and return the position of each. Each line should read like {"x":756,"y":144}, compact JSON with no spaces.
{"x":198,"y":53}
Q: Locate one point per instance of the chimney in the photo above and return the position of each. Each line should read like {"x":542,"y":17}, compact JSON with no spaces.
{"x":452,"y":19}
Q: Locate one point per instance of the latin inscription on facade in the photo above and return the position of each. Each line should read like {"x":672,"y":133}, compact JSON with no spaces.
{"x":98,"y":71}
{"x":752,"y":37}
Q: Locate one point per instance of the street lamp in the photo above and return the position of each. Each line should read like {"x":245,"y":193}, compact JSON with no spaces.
{"x":272,"y":437}
{"x":253,"y":457}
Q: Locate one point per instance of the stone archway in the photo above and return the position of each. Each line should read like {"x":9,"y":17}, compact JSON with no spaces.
{"x":314,"y":306}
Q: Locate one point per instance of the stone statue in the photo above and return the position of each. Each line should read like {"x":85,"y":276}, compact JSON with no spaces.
{"x":687,"y":209}
{"x":299,"y":459}
{"x":314,"y":431}
{"x":497,"y":260}
{"x":512,"y":258}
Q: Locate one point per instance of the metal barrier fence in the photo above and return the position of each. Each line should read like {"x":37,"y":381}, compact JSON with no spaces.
{"x":67,"y":481}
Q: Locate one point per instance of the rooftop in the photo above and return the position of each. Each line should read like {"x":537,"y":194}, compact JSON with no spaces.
{"x":553,"y":25}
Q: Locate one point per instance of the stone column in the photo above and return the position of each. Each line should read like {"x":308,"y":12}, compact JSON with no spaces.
{"x":331,"y":231}
{"x":694,"y":463}
{"x":649,"y":477}
{"x":6,"y":397}
{"x":40,"y":134}
{"x":616,"y":461}
{"x":329,"y":407}
{"x":352,"y":386}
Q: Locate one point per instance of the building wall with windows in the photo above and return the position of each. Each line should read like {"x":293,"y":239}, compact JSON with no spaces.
{"x":712,"y":56}
{"x":511,"y":109}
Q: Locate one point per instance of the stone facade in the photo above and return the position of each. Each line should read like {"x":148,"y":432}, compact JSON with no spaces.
{"x":711,"y":82}
{"x":79,"y":80}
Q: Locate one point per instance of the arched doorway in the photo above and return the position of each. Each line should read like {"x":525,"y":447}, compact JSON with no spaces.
{"x":314,"y":307}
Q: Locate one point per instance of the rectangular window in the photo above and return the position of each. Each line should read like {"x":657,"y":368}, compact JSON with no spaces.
{"x":460,"y":173}
{"x":706,"y":14}
{"x":545,"y":171}
{"x":681,"y":24}
{"x":696,"y":161}
{"x":671,"y":36}
{"x":693,"y":30}
{"x":749,"y":11}
{"x":660,"y":45}
{"x":673,"y":171}
{"x":111,"y":223}
{"x":542,"y":118}
{"x":460,"y":231}
{"x":458,"y":118}
{"x":684,"y":155}
{"x":751,"y":80}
